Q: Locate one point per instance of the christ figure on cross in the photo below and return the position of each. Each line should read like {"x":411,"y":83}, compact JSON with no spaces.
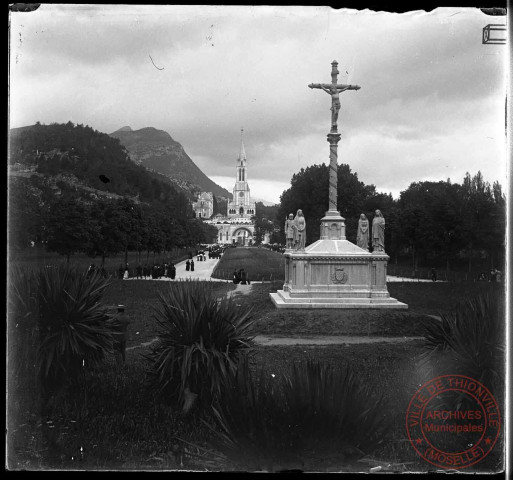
{"x":334,"y":90}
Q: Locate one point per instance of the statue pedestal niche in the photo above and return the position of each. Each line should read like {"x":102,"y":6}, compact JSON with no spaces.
{"x":335,"y":273}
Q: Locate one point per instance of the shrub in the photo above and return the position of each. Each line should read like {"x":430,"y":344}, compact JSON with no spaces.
{"x":22,"y":314}
{"x":315,"y":416}
{"x":470,"y":340}
{"x":23,"y":389}
{"x":57,"y":329}
{"x":199,"y":342}
{"x":76,"y":330}
{"x":57,"y":313}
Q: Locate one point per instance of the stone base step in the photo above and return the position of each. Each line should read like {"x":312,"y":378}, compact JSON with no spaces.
{"x":282,"y":299}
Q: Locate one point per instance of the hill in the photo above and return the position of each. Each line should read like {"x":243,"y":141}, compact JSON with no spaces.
{"x":75,"y":190}
{"x":75,"y":157}
{"x":157,"y":151}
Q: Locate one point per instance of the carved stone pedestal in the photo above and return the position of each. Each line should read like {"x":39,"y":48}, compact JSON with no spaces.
{"x":334,"y":273}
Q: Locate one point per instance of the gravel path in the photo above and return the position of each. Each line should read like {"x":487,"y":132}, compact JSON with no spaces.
{"x":271,"y":340}
{"x":329,"y":340}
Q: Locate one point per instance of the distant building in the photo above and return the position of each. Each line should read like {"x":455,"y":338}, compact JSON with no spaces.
{"x":204,"y":206}
{"x":237,"y":225}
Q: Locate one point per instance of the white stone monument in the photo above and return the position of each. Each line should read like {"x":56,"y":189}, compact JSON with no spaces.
{"x":333,"y":272}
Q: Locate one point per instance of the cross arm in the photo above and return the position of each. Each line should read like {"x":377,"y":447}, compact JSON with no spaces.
{"x":323,"y":86}
{"x":328,"y":86}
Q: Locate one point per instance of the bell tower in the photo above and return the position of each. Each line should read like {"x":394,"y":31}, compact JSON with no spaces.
{"x":241,"y":204}
{"x":241,"y":161}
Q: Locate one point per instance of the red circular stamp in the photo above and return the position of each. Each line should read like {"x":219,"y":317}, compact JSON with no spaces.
{"x":453,"y":421}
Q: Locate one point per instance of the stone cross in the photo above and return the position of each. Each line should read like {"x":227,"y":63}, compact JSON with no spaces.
{"x":333,"y":89}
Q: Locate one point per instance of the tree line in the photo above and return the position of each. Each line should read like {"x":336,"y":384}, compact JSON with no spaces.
{"x":102,"y":227}
{"x":432,"y":223}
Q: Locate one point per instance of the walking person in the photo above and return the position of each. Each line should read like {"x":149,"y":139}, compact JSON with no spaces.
{"x":493,"y":276}
{"x":236,"y":278}
{"x":172,"y":271}
{"x":433,"y":274}
{"x":242,"y":276}
{"x":187,"y":265}
{"x":91,"y":270}
{"x":192,"y":265}
{"x":122,"y":330}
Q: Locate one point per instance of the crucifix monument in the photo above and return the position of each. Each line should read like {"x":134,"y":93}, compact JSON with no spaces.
{"x":333,"y":215}
{"x":333,"y":272}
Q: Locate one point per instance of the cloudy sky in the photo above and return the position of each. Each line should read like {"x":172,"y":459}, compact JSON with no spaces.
{"x":431,"y":104}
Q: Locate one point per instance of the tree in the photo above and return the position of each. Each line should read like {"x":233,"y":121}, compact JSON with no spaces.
{"x":112,"y":229}
{"x":70,"y":228}
{"x":156,"y":237}
{"x":481,"y":212}
{"x":264,"y":219}
{"x":431,"y":220}
{"x":26,"y":214}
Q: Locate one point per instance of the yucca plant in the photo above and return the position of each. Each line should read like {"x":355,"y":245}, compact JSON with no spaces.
{"x":23,"y":388}
{"x":470,"y":339}
{"x":57,"y":328}
{"x":76,"y":330}
{"x":315,"y":416}
{"x":199,"y":342}
{"x":58,"y":313}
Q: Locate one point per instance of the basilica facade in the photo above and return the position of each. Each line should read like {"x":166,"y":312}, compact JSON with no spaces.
{"x":237,"y":225}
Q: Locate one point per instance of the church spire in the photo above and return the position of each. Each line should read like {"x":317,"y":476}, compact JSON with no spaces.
{"x":242,"y":154}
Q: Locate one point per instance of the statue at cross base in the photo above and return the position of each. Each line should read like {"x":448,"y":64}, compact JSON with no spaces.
{"x":334,"y":89}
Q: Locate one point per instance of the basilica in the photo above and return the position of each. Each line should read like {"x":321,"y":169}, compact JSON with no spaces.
{"x":237,"y":226}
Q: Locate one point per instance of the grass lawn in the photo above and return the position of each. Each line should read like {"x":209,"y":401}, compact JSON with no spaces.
{"x":259,"y":263}
{"x":140,"y":298}
{"x":115,"y":422}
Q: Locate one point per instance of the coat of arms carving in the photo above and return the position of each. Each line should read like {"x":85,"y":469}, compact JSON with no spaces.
{"x":338,"y":275}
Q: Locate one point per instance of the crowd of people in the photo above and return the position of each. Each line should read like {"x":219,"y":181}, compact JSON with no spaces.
{"x":494,"y":277}
{"x":159,"y":270}
{"x":155,"y":271}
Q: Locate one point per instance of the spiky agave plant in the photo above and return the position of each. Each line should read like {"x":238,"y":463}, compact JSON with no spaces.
{"x":75,"y":328}
{"x":22,"y":340}
{"x":470,"y":339}
{"x":316,"y":414}
{"x":199,"y":342}
{"x":335,"y":409}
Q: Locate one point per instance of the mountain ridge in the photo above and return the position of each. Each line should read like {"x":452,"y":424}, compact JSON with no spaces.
{"x":156,"y":150}
{"x":80,"y":158}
